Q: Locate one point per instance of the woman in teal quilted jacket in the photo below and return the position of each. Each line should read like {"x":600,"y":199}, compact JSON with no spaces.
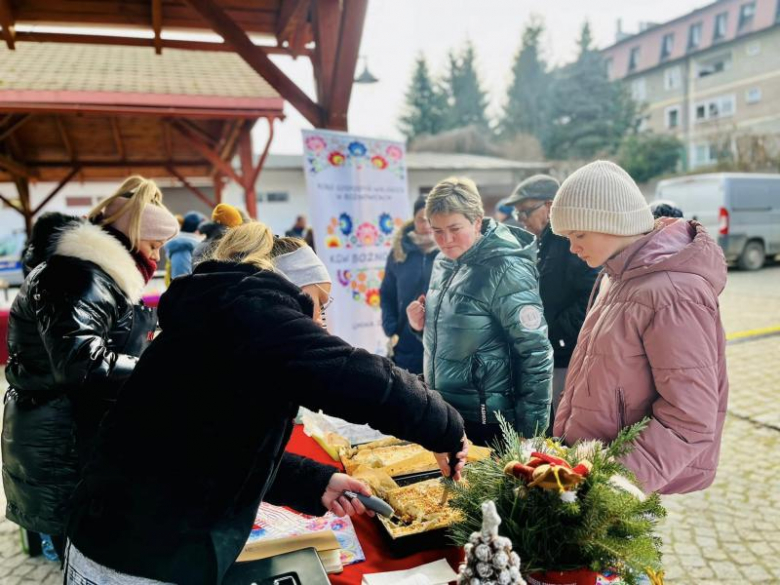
{"x":485,"y":338}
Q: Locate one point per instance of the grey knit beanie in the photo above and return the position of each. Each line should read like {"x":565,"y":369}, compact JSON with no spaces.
{"x":601,"y":197}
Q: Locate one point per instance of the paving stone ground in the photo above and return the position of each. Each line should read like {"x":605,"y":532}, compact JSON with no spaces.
{"x":728,"y":534}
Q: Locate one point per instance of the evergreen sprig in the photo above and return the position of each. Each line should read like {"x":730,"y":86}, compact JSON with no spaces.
{"x":605,"y":528}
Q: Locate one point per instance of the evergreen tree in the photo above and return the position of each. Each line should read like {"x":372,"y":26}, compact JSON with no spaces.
{"x":527,"y":106}
{"x":468,"y":102}
{"x":590,"y":113}
{"x":426,"y":104}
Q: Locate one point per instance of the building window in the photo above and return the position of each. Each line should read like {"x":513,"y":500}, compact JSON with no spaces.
{"x":78,"y":201}
{"x":277,"y":196}
{"x":715,"y":108}
{"x":672,"y":78}
{"x":714,"y":65}
{"x":673,"y":117}
{"x":639,"y":89}
{"x":753,"y":49}
{"x":694,"y":36}
{"x":753,"y":95}
{"x":667,"y":44}
{"x":633,"y":59}
{"x":703,"y":154}
{"x":643,"y":123}
{"x":720,"y":26}
{"x":746,"y":14}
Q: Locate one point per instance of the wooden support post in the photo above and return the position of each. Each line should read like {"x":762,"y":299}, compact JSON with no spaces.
{"x":7,"y":22}
{"x":261,"y":162}
{"x":16,"y":168}
{"x":218,"y":187}
{"x":157,"y":25}
{"x":326,"y":22}
{"x":57,"y":189}
{"x":353,"y":17}
{"x":23,"y":188}
{"x":192,"y":188}
{"x":247,"y":169}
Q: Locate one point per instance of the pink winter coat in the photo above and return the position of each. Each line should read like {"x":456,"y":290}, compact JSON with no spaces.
{"x":653,"y":345}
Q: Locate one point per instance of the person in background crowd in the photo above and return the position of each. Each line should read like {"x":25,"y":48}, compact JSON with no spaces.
{"x":223,"y":217}
{"x":565,"y":281}
{"x":652,"y":344}
{"x":74,"y":333}
{"x":179,"y":250}
{"x":407,"y":274}
{"x":191,"y":449}
{"x":485,"y":338}
{"x":298,"y":230}
{"x":505,"y":213}
{"x":665,"y":209}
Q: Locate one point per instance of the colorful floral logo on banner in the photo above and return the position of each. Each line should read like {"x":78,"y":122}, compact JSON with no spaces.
{"x":344,"y":232}
{"x":363,"y":283}
{"x":326,"y":151}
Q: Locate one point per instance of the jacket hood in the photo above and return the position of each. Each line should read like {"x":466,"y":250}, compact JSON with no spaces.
{"x":500,"y":240}
{"x":403,"y":244}
{"x":213,"y":285}
{"x":675,"y":245}
{"x":43,"y":240}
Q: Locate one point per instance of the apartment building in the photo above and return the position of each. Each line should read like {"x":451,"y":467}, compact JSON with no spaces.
{"x":711,"y":78}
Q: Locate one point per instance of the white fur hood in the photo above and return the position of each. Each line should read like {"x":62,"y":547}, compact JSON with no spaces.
{"x":91,"y":243}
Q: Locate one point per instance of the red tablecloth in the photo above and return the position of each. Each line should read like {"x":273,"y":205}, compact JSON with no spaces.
{"x":378,"y":559}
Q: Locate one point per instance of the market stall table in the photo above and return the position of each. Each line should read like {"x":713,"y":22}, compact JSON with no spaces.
{"x":378,"y":557}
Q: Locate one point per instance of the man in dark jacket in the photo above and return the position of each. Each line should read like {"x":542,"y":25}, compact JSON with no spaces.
{"x":565,"y":281}
{"x":407,"y":275}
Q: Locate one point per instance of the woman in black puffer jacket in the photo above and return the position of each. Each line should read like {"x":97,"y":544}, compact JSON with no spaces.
{"x":74,"y":334}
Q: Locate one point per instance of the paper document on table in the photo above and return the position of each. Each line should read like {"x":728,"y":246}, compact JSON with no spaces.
{"x":435,"y":573}
{"x":318,"y":423}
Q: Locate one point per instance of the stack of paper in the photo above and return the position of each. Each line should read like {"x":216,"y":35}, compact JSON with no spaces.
{"x":279,"y":530}
{"x":436,"y":573}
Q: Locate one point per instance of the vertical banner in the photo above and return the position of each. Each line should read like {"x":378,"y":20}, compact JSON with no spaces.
{"x":358,"y":200}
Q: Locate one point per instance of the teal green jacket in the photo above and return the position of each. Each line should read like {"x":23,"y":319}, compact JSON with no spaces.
{"x":485,"y":337}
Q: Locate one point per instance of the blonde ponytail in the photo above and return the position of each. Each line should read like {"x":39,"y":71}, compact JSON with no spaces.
{"x":249,"y":243}
{"x":136,"y":193}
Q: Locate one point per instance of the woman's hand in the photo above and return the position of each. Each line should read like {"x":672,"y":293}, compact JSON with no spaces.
{"x":415,"y":312}
{"x":443,"y":459}
{"x":335,"y":501}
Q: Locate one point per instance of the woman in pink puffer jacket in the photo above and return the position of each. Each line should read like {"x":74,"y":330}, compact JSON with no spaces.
{"x":652,"y":343}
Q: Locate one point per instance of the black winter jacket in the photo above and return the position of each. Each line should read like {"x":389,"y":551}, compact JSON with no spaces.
{"x":407,"y":275}
{"x":197,"y":438}
{"x":565,"y":284}
{"x":73,"y":337}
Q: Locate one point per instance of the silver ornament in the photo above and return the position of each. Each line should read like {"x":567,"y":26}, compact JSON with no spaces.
{"x":514,"y":560}
{"x":484,"y":570}
{"x":504,"y":578}
{"x":500,"y":560}
{"x":514,"y":572}
{"x":483,"y":552}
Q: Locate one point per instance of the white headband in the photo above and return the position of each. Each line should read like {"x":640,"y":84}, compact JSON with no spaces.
{"x":302,"y":267}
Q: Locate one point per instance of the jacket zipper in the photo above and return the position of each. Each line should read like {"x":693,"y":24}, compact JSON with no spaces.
{"x":475,"y":363}
{"x":436,"y":327}
{"x":621,"y":404}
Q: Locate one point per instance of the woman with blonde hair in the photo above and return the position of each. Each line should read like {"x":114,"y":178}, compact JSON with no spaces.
{"x":172,"y":498}
{"x":484,"y":333}
{"x":76,"y":329}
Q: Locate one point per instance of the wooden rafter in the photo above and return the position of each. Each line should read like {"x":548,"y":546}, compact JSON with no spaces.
{"x":57,"y":189}
{"x":234,"y":35}
{"x":11,"y":204}
{"x":23,"y":189}
{"x":245,"y":155}
{"x":353,"y":17}
{"x":120,"y":148}
{"x":112,"y":164}
{"x":7,"y":22}
{"x":205,"y":150}
{"x":14,"y":126}
{"x":292,"y":15}
{"x":195,"y":191}
{"x":200,"y":131}
{"x":16,"y":168}
{"x":157,"y":25}
{"x":65,"y":138}
{"x":50,"y":37}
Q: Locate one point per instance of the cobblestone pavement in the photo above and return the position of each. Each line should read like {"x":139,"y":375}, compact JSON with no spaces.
{"x":729,"y":533}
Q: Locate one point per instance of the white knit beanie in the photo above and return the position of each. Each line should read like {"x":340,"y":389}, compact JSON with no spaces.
{"x":601,"y":197}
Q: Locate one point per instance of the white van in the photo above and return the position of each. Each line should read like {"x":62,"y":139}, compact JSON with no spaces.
{"x":740,"y":210}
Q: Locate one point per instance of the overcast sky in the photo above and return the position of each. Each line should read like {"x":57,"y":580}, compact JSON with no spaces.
{"x":396,"y":31}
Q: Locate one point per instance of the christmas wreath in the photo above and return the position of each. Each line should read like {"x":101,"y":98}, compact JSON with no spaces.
{"x":565,"y":508}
